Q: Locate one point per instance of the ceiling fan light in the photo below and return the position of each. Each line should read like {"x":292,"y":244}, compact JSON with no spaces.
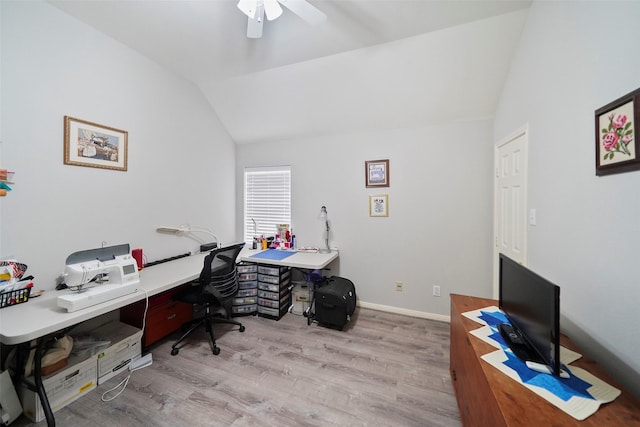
{"x":248,"y":7}
{"x":272,"y":9}
{"x":254,"y":26}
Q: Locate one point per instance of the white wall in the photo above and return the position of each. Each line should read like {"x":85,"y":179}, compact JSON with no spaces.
{"x":181,"y":161}
{"x":575,"y":57}
{"x":439,"y":227}
{"x":1,"y":163}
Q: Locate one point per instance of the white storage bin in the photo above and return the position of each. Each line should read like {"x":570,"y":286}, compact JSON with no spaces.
{"x":62,"y":387}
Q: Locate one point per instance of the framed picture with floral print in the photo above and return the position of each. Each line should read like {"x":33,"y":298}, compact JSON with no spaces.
{"x":617,"y":142}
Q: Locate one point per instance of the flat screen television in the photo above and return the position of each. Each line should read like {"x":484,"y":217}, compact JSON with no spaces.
{"x":532,"y":305}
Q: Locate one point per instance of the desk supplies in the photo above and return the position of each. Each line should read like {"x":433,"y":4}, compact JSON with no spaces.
{"x":97,"y":275}
{"x":6,"y":177}
{"x":10,"y":271}
{"x":16,"y":296}
{"x":137,"y":255}
{"x":13,"y":288}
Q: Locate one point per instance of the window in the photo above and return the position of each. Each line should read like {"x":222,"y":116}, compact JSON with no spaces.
{"x":267,"y":200}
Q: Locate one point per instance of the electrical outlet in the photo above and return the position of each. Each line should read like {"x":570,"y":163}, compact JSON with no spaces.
{"x":436,"y":290}
{"x":399,"y":286}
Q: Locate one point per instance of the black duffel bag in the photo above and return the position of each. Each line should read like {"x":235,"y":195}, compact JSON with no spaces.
{"x":334,"y":302}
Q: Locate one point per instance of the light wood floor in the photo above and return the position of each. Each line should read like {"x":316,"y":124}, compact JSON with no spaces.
{"x":382,"y":370}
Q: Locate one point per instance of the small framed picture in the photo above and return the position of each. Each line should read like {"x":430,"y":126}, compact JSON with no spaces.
{"x":376,"y":173}
{"x":93,"y":145}
{"x":617,"y":143}
{"x":379,"y":205}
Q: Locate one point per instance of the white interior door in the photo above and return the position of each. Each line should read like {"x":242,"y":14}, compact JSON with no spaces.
{"x":510,"y":209}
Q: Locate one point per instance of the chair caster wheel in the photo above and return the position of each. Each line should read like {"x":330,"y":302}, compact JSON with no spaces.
{"x":216,"y":350}
{"x":174,"y":351}
{"x":242,"y":328}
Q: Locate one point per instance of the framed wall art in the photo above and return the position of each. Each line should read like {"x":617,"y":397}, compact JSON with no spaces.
{"x":379,"y":205}
{"x":376,"y":173}
{"x":93,"y":145}
{"x":617,"y":142}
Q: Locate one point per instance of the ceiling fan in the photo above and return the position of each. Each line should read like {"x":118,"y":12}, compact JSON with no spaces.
{"x":257,"y":9}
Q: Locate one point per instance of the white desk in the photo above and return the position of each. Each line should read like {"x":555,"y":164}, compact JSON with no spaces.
{"x":41,"y":316}
{"x":305,"y":260}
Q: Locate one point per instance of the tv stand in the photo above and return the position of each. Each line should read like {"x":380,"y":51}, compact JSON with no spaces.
{"x":487,"y":397}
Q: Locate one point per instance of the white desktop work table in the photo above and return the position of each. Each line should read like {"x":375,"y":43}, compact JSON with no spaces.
{"x":41,"y":317}
{"x":303,"y":260}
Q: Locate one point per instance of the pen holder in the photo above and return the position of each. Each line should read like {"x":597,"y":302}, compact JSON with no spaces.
{"x":137,"y":255}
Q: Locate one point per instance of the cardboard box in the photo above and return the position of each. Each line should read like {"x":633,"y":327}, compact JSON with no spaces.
{"x":62,"y":387}
{"x":125,"y":347}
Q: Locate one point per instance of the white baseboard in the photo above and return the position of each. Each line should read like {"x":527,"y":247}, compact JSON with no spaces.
{"x":404,"y":311}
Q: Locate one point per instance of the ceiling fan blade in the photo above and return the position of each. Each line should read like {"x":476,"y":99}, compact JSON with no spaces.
{"x":254,"y":26}
{"x":248,"y":7}
{"x":272,"y":9}
{"x":305,"y":10}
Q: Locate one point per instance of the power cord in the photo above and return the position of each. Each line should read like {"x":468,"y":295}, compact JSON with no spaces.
{"x":123,"y":384}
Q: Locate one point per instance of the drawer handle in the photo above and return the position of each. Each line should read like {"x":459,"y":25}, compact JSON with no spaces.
{"x":173,"y":316}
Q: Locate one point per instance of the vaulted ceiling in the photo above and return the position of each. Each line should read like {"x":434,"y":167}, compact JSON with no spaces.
{"x":374,"y":64}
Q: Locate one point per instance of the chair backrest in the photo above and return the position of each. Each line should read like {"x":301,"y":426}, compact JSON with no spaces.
{"x":219,"y":275}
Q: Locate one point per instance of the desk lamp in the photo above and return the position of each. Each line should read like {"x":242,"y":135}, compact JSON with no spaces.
{"x":325,"y":217}
{"x":188,"y":231}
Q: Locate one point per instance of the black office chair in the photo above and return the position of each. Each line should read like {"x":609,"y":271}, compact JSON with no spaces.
{"x":215,"y":289}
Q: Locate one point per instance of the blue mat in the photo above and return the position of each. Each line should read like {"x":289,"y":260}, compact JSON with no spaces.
{"x":273,"y":254}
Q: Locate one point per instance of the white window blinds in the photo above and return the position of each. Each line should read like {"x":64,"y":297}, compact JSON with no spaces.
{"x":267,"y":200}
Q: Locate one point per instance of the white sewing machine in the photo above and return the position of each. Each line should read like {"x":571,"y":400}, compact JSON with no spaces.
{"x":98,"y":275}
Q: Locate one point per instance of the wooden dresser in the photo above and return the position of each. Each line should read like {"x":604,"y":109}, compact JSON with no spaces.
{"x":487,"y":397}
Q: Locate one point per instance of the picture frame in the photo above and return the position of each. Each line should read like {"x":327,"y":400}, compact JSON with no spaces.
{"x":617,"y":141}
{"x":379,"y":205}
{"x":94,"y":145}
{"x":376,"y":173}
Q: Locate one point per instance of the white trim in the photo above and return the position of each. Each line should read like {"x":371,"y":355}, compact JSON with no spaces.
{"x":404,"y":311}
